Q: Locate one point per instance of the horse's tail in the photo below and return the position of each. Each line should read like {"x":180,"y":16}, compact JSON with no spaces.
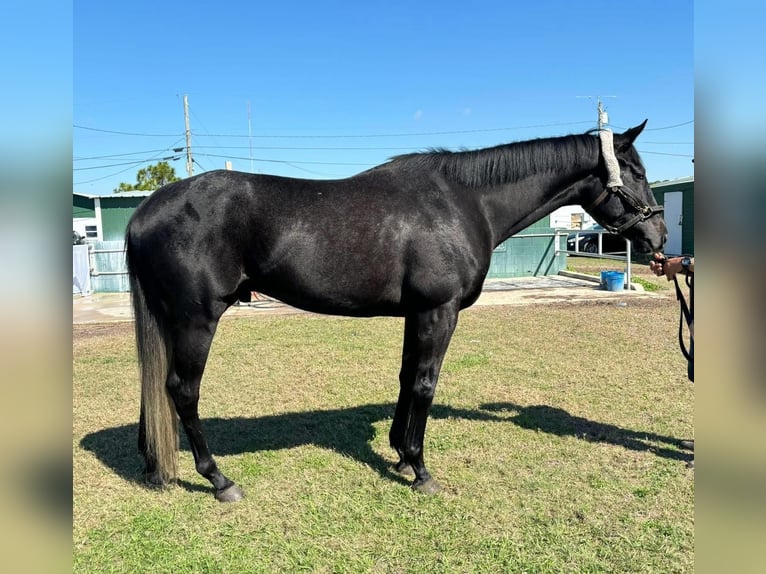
{"x":158,"y":412}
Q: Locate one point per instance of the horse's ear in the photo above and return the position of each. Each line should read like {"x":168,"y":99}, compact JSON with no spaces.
{"x":624,"y":140}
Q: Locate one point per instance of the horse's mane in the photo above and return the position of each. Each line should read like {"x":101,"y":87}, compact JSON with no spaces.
{"x":505,"y":163}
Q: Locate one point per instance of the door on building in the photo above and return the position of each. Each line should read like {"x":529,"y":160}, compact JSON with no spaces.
{"x":674,"y":221}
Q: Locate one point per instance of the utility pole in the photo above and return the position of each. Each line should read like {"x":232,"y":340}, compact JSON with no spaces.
{"x":189,"y":163}
{"x":603,"y":117}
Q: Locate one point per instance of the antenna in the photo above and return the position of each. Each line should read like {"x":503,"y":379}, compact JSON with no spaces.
{"x":250,"y":136}
{"x":603,"y":117}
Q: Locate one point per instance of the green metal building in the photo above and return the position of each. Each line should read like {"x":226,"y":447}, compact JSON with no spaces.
{"x":104,"y":217}
{"x":530,"y":253}
{"x":102,"y":220}
{"x":677,"y":195}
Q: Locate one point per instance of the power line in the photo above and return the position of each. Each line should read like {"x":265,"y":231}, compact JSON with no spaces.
{"x":312,"y":148}
{"x":127,"y":168}
{"x":670,"y":127}
{"x":393,"y":135}
{"x":104,"y":177}
{"x":340,"y":136}
{"x":125,"y":133}
{"x":658,"y":129}
{"x":287,"y":162}
{"x":118,"y":155}
{"x":361,"y":136}
{"x":664,"y":153}
{"x":202,"y":167}
{"x":284,"y":161}
{"x":312,"y":172}
{"x":137,"y":162}
{"x":291,"y":148}
{"x":300,"y":148}
{"x":669,"y":143}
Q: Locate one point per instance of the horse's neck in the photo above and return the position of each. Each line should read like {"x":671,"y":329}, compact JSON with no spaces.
{"x":521,"y":183}
{"x":513,"y":207}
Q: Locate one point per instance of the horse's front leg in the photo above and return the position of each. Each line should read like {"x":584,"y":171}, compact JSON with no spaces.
{"x":427,"y":336}
{"x":404,"y":403}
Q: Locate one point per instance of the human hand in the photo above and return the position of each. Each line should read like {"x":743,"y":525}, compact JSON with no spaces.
{"x":657,"y":266}
{"x":668,"y":267}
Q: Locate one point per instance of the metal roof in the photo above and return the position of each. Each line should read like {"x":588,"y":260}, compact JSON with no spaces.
{"x":120,"y":194}
{"x":689,"y":179}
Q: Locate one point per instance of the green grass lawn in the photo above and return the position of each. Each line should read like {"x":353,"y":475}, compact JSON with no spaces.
{"x":553,"y":433}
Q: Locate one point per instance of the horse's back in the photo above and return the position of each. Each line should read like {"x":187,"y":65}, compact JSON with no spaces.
{"x":366,"y":245}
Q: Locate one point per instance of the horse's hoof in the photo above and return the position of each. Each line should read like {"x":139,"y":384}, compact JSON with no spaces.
{"x":404,"y":468}
{"x":232,"y":493}
{"x":429,"y":486}
{"x":154,"y":480}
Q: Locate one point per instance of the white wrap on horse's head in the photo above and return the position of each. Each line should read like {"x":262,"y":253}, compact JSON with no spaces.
{"x":612,"y":165}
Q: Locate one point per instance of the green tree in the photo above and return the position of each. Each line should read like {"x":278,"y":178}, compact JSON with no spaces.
{"x":151,"y":178}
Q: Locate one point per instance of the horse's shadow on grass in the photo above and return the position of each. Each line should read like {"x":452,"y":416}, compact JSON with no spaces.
{"x":350,"y":432}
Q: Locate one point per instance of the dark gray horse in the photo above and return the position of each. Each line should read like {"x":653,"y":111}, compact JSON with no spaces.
{"x":411,"y":238}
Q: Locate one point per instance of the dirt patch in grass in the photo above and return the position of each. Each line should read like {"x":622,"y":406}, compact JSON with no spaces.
{"x":91,"y":330}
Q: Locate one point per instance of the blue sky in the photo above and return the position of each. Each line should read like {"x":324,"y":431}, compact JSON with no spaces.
{"x":329,"y":89}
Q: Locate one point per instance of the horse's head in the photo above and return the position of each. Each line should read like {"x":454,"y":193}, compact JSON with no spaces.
{"x":628,"y":209}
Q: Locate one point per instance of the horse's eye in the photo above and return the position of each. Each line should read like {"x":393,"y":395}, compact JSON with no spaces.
{"x":640,"y":176}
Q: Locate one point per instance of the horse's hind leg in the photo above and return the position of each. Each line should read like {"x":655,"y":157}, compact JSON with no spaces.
{"x":427,"y":336}
{"x":191,"y":344}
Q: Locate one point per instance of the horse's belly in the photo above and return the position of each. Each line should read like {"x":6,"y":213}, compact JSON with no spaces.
{"x":336,"y":290}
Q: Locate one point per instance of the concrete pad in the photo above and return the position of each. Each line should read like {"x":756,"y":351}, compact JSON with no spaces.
{"x":116,"y":307}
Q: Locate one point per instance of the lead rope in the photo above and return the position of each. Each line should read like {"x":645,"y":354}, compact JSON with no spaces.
{"x":687,"y":313}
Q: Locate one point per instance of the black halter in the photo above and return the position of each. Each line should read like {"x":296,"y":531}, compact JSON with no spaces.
{"x":627,"y":195}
